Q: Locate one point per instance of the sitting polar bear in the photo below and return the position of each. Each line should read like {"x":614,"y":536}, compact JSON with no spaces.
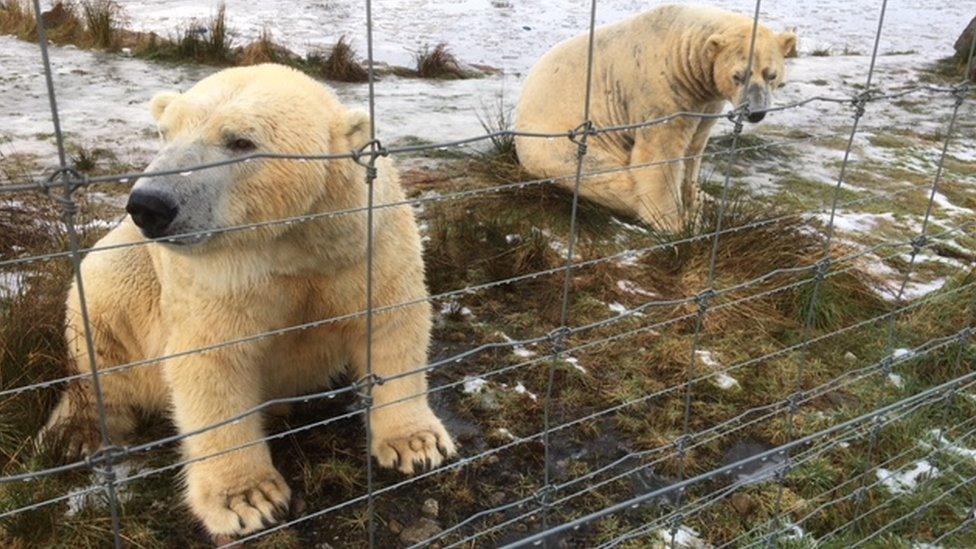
{"x":160,"y":299}
{"x":668,"y":60}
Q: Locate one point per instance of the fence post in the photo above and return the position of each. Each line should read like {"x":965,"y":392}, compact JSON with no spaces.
{"x":101,"y":461}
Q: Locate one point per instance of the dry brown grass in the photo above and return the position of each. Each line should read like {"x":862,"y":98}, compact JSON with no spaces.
{"x":266,"y":50}
{"x":438,"y":62}
{"x":341,"y":64}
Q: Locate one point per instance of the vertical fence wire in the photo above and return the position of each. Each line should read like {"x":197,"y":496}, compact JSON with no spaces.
{"x":370,"y":180}
{"x":918,"y":244}
{"x":703,"y":299}
{"x":102,"y":461}
{"x":580,"y":136}
{"x":823,"y":267}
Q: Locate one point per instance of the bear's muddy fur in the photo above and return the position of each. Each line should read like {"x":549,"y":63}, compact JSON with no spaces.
{"x":163,"y":298}
{"x":669,"y":60}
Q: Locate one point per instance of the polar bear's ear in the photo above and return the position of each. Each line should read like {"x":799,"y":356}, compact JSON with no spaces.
{"x":159,"y":102}
{"x":713,"y":45}
{"x":357,"y":128}
{"x":787,"y":43}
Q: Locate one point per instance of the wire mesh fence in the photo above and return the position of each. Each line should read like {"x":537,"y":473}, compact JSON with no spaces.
{"x":695,"y":490}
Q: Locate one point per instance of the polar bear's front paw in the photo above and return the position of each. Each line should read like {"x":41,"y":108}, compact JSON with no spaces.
{"x":413,"y":446}
{"x":241,"y":507}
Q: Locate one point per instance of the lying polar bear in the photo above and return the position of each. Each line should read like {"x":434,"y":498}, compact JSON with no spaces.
{"x":668,"y":60}
{"x":165,"y":299}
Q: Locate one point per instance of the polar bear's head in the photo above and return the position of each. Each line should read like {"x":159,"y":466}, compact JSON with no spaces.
{"x":237,"y":113}
{"x":729,"y":53}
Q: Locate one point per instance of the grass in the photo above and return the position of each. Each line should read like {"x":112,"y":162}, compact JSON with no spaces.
{"x":341,"y":64}
{"x":438,"y":62}
{"x":99,"y":24}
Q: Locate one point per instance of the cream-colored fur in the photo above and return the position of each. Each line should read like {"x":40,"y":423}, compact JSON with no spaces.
{"x":156,"y":300}
{"x":667,"y":60}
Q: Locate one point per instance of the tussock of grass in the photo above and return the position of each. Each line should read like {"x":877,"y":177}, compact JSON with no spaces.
{"x":101,"y":19}
{"x":211,"y":44}
{"x":266,"y":50}
{"x":438,"y":62}
{"x":341,"y":64}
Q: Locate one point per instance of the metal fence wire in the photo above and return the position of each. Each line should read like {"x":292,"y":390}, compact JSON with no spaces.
{"x":693,"y":492}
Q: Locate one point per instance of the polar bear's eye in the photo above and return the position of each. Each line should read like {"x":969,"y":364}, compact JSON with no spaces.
{"x":769,"y":76}
{"x":241,"y":145}
{"x":738,"y":78}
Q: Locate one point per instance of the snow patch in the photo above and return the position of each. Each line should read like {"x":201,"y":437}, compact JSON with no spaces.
{"x":574,"y":362}
{"x":520,"y":389}
{"x":684,"y":537}
{"x":896,"y":380}
{"x":631,"y":287}
{"x":474,"y":385}
{"x":905,"y":481}
{"x":721,"y":380}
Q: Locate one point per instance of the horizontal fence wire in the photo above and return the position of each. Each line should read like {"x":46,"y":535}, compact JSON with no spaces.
{"x":799,"y":450}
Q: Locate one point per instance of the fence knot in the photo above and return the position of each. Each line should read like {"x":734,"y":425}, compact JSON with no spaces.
{"x":101,"y":461}
{"x":886,"y":364}
{"x":822,"y":268}
{"x":960,"y":92}
{"x":860,"y":101}
{"x":681,"y":445}
{"x":794,"y":401}
{"x":703,"y":300}
{"x":541,"y":495}
{"x":558,"y":337}
{"x":918,"y":243}
{"x":676,"y":522}
{"x":364,"y":385}
{"x":579,"y":135}
{"x":366,"y":157}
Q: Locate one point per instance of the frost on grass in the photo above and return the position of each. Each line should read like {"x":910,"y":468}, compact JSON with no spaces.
{"x":622,"y":309}
{"x":721,"y":380}
{"x":900,"y":482}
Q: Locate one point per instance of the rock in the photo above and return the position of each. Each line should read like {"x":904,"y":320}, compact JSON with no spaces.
{"x":965,"y":41}
{"x":496,"y":499}
{"x":742,"y":504}
{"x":850,"y":357}
{"x":419,"y":532}
{"x":430,"y":508}
{"x":394,"y":526}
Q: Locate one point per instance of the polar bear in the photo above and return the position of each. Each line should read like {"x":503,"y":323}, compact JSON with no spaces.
{"x":668,"y":60}
{"x":203,"y":290}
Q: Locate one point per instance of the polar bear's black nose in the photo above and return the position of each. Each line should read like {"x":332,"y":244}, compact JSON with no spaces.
{"x":755,"y":116}
{"x":151,"y":211}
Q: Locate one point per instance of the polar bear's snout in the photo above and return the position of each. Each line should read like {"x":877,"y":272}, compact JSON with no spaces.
{"x":151,"y":211}
{"x":757,"y":100}
{"x":180,"y":202}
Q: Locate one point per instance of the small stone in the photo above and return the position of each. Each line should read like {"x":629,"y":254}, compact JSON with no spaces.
{"x":323,"y":545}
{"x":486,"y":401}
{"x":394,"y":526}
{"x":850,"y":357}
{"x":430,"y":509}
{"x":742,"y":504}
{"x":497,"y":498}
{"x":419,"y":532}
